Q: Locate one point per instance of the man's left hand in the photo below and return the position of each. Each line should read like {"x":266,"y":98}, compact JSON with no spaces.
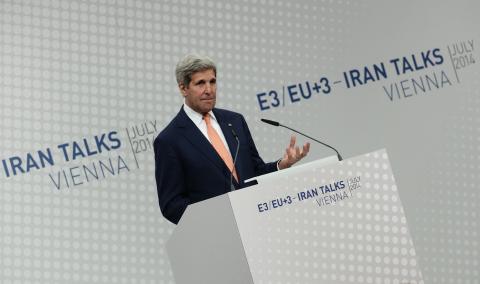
{"x":293,"y":154}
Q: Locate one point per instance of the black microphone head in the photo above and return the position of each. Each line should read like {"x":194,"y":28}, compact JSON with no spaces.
{"x":233,"y":131}
{"x":274,"y":123}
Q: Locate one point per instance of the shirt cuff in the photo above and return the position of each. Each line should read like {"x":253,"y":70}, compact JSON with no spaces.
{"x":278,"y":164}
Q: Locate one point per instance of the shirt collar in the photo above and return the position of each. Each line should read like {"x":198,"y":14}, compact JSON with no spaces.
{"x":196,"y":117}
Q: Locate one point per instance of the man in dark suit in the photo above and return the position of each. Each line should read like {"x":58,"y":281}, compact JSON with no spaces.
{"x":194,"y":154}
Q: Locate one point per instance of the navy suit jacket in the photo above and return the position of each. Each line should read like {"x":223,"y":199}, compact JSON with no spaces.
{"x":188,"y":169}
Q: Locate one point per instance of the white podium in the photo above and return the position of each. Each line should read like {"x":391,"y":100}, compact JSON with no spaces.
{"x":322,"y":222}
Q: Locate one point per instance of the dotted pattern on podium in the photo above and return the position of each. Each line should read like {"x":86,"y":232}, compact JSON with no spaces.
{"x":361,"y":237}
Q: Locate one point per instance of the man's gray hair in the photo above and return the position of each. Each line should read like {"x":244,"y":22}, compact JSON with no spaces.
{"x":191,"y":64}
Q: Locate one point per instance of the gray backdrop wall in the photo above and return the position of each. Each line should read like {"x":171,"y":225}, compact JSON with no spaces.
{"x":86,"y":85}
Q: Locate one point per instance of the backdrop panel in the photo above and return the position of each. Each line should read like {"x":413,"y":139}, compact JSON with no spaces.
{"x":85,"y":87}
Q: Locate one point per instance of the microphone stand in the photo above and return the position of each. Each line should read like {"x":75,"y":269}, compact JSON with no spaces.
{"x":274,"y":123}
{"x":232,"y":187}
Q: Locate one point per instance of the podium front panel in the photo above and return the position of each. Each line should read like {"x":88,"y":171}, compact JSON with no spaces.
{"x":340,"y":223}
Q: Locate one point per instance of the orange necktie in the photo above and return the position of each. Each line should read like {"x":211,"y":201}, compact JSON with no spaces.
{"x":219,"y":146}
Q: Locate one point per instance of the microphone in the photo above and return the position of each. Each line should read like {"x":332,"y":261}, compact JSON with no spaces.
{"x":235,"y":157}
{"x":275,"y":123}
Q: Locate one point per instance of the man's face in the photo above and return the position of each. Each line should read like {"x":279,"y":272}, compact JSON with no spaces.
{"x":201,"y":93}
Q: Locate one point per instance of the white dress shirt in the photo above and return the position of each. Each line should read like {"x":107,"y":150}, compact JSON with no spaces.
{"x":198,"y":120}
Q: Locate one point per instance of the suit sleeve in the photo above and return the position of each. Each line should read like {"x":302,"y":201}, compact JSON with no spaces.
{"x":260,"y":166}
{"x":169,"y":176}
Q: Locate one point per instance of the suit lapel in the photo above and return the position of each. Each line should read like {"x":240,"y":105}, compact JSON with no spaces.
{"x":198,"y":140}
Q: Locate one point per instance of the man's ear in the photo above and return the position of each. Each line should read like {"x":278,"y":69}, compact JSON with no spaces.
{"x":182,"y":88}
